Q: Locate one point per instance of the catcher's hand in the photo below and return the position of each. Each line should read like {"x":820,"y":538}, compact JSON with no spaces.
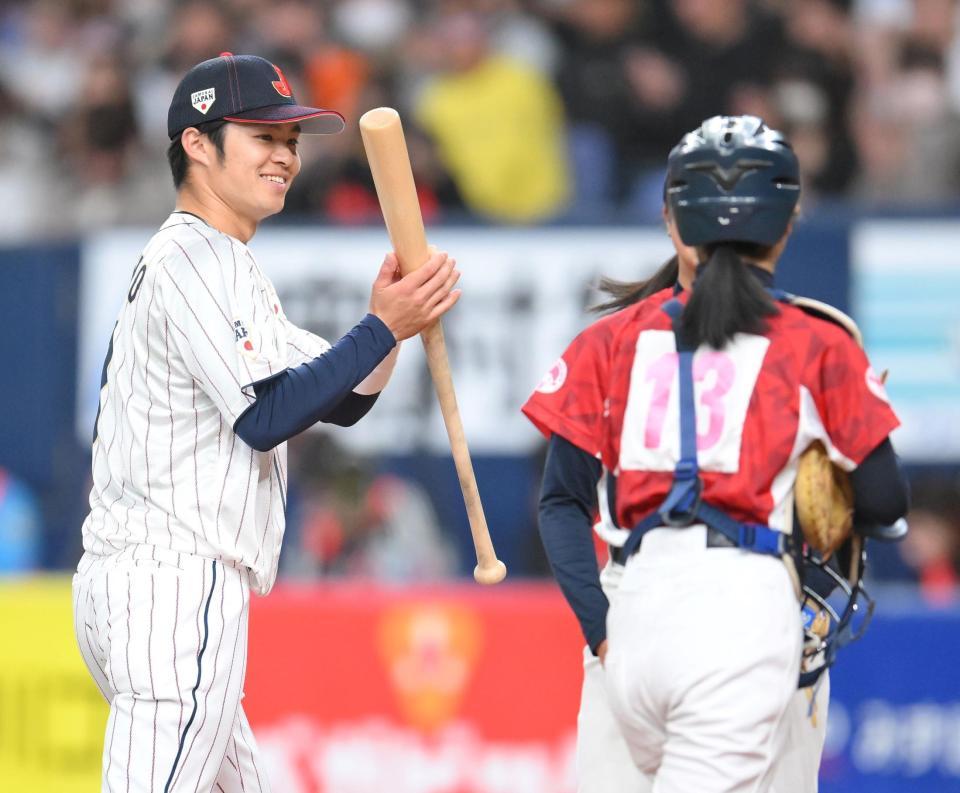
{"x":824,"y":500}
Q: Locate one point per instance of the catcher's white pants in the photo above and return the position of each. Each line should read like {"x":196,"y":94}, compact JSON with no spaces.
{"x":164,"y":636}
{"x":796,"y":769}
{"x":604,"y":764}
{"x":704,"y":653}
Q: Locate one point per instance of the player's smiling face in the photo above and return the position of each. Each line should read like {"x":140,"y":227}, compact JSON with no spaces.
{"x":259,"y":164}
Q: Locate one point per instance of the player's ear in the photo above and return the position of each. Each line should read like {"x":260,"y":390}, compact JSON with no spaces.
{"x":196,"y":146}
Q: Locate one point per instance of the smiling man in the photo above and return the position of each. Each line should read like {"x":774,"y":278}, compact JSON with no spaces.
{"x":205,"y":379}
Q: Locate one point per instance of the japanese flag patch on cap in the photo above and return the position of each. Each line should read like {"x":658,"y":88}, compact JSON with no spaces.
{"x":202,"y":100}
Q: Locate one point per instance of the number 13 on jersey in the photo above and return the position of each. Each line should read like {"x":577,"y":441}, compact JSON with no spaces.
{"x":723,"y":382}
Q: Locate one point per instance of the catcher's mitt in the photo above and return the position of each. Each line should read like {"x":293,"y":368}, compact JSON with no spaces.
{"x":824,"y":500}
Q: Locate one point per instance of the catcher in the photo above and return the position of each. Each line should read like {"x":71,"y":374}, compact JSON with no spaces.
{"x":696,"y":408}
{"x":602,"y":757}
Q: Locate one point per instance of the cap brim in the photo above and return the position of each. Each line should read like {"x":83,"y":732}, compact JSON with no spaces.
{"x":312,"y":120}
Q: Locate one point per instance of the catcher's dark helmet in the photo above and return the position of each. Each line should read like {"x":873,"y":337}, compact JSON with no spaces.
{"x":732,"y":180}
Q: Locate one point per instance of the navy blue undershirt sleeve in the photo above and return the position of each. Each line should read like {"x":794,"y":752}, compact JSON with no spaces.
{"x":350,"y":409}
{"x":881,"y":492}
{"x":568,"y":502}
{"x":297,"y":398}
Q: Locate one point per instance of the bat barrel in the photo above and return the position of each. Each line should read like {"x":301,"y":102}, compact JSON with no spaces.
{"x":386,"y":149}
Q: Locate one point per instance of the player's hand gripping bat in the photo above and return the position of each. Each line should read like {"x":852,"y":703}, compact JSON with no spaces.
{"x":386,"y":149}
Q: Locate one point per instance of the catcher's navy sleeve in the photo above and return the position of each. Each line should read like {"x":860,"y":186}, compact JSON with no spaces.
{"x":881,"y":492}
{"x":568,"y":502}
{"x":318,"y":390}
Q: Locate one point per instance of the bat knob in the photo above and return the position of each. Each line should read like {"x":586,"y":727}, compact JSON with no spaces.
{"x":490,"y":573}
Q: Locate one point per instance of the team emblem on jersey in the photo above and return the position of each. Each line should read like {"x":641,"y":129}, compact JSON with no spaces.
{"x":202,"y":100}
{"x":875,"y":383}
{"x":554,"y":379}
{"x":242,"y":338}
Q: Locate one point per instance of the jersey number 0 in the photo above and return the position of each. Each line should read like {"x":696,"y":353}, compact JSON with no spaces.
{"x":135,"y":283}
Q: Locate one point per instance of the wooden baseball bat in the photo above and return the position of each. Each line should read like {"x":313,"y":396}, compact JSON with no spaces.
{"x":386,"y":149}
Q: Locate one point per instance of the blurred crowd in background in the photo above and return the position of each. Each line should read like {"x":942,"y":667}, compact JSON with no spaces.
{"x":516,"y":112}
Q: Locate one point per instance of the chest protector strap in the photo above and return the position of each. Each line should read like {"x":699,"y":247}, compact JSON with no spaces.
{"x":683,"y":505}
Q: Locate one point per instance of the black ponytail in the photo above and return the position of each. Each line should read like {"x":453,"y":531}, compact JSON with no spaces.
{"x":726,"y":298}
{"x":626,"y":293}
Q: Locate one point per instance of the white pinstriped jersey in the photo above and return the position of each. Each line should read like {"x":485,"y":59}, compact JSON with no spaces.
{"x":200,"y":324}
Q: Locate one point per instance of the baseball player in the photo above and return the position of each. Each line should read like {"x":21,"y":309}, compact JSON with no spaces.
{"x":695,"y":408}
{"x":205,"y":380}
{"x":603,"y":759}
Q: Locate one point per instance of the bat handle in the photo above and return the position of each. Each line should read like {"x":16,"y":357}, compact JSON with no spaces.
{"x":489,"y":569}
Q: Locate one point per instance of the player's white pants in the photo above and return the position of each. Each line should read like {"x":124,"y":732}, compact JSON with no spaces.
{"x":805,"y":725}
{"x":704,"y":653}
{"x":164,"y":636}
{"x":604,"y":764}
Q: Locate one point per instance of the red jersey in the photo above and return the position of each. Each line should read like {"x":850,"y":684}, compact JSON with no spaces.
{"x":760,"y":401}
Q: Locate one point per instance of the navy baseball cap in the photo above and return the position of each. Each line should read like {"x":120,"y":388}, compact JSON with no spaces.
{"x":246,"y":89}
